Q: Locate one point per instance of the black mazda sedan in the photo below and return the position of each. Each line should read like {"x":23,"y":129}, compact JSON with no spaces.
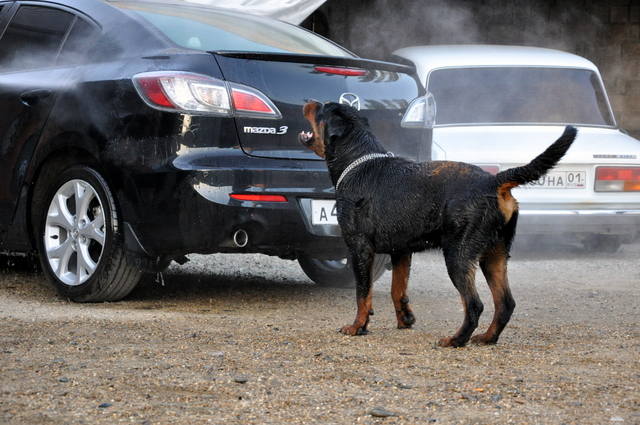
{"x":133,"y":133}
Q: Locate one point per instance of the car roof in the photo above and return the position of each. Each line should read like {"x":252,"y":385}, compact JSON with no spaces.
{"x":428,"y":58}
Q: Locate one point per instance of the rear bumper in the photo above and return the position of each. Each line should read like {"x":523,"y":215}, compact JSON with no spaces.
{"x":196,"y":214}
{"x":622,"y":222}
{"x":275,"y":228}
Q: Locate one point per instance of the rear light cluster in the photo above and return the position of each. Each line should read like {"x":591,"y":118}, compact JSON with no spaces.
{"x":421,"y":113}
{"x":491,"y":169}
{"x":191,"y":93}
{"x":617,"y":179}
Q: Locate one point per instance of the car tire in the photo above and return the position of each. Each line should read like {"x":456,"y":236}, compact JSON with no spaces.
{"x":78,"y":235}
{"x":337,"y":273}
{"x":603,"y":243}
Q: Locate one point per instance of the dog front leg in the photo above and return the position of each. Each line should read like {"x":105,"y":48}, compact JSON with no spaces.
{"x":362,"y":260}
{"x":399,"y":282}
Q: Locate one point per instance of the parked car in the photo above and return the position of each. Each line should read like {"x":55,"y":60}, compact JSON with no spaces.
{"x":499,"y":106}
{"x":133,"y":133}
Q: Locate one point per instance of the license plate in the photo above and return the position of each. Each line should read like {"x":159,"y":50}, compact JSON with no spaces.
{"x":323,"y":212}
{"x":559,"y":179}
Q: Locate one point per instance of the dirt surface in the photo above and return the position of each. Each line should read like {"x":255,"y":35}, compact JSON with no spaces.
{"x":250,"y":340}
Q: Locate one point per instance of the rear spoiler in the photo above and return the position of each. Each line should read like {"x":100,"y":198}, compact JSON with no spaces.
{"x":319,"y":60}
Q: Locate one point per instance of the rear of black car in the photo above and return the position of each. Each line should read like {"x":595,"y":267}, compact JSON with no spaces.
{"x":263,"y":184}
{"x":191,"y":116}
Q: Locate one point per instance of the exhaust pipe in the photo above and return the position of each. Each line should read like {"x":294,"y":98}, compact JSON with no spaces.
{"x":240,"y":238}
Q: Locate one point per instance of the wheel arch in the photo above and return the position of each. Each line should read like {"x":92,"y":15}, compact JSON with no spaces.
{"x":65,"y":149}
{"x":72,"y":148}
{"x":69,"y":145}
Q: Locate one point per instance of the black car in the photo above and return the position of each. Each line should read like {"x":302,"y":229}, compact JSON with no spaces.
{"x":133,"y":133}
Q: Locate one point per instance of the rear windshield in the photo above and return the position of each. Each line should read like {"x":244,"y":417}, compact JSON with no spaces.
{"x":509,"y":95}
{"x":210,"y":29}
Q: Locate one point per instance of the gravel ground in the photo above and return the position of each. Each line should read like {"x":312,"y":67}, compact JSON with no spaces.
{"x":250,"y":340}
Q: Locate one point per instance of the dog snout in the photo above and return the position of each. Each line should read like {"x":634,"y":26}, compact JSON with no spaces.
{"x":305,"y":137}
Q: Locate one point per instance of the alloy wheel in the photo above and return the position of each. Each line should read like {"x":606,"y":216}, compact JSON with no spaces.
{"x":74,"y":232}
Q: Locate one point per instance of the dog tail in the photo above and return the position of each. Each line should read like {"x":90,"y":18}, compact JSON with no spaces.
{"x":541,"y":164}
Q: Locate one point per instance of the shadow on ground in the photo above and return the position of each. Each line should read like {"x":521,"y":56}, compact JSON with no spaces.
{"x":179,"y":284}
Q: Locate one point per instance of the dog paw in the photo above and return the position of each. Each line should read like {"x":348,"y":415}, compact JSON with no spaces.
{"x":450,"y":342}
{"x":353,"y":330}
{"x":406,"y":320}
{"x":482,"y":339}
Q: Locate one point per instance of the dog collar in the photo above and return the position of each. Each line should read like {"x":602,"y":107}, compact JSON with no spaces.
{"x":359,"y":161}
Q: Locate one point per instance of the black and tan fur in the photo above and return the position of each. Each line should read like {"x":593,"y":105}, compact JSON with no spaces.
{"x":396,"y":206}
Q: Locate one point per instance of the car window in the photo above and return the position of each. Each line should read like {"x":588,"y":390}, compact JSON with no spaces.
{"x":216,"y":30}
{"x":78,"y":42}
{"x":33,"y":37}
{"x":509,"y":95}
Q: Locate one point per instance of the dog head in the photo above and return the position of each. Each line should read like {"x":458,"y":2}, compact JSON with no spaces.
{"x":330,"y":123}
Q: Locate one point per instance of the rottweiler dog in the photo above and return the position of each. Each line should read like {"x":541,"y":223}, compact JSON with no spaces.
{"x":395,"y":206}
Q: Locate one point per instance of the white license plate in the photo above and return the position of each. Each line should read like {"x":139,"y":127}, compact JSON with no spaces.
{"x":559,"y":179}
{"x":323,"y":212}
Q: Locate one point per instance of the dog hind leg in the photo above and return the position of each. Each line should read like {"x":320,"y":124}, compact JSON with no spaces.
{"x":399,"y":283}
{"x":494,"y":268}
{"x":462,"y":272}
{"x":362,"y":259}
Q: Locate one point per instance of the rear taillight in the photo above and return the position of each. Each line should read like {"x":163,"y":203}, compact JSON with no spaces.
{"x":349,"y":72}
{"x":617,"y":179}
{"x":421,"y":113}
{"x":250,"y":102}
{"x":153,"y":89}
{"x":184,"y":92}
{"x":191,"y":93}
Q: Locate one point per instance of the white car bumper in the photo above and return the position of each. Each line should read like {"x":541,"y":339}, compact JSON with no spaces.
{"x":623,"y":222}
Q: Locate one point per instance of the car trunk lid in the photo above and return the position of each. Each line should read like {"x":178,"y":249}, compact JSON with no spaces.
{"x":511,"y":146}
{"x":288,"y":80}
{"x":516,"y":145}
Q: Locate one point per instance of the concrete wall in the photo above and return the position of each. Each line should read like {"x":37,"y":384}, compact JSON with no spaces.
{"x":606,"y":32}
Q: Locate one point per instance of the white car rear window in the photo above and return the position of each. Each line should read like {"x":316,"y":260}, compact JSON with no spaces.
{"x":511,"y":95}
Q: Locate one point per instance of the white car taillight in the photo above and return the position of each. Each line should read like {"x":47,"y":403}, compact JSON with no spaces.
{"x":491,"y":169}
{"x":421,"y":112}
{"x":191,"y":93}
{"x":617,"y":179}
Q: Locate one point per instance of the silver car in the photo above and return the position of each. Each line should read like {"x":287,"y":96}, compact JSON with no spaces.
{"x":500,"y":106}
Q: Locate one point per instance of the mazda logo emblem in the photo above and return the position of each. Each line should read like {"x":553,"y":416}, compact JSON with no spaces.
{"x":350,"y":99}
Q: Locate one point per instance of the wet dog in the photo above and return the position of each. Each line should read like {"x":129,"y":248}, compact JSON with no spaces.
{"x":396,"y":206}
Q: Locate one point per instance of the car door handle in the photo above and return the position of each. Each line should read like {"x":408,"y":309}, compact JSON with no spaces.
{"x":32,"y":97}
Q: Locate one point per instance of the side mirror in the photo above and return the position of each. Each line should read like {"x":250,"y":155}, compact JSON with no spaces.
{"x":421,"y":112}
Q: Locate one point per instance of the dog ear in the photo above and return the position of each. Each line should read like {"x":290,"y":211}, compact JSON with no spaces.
{"x":336,"y":121}
{"x":336,"y":126}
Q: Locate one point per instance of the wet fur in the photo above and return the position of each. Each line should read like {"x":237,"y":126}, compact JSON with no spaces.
{"x":396,"y":206}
